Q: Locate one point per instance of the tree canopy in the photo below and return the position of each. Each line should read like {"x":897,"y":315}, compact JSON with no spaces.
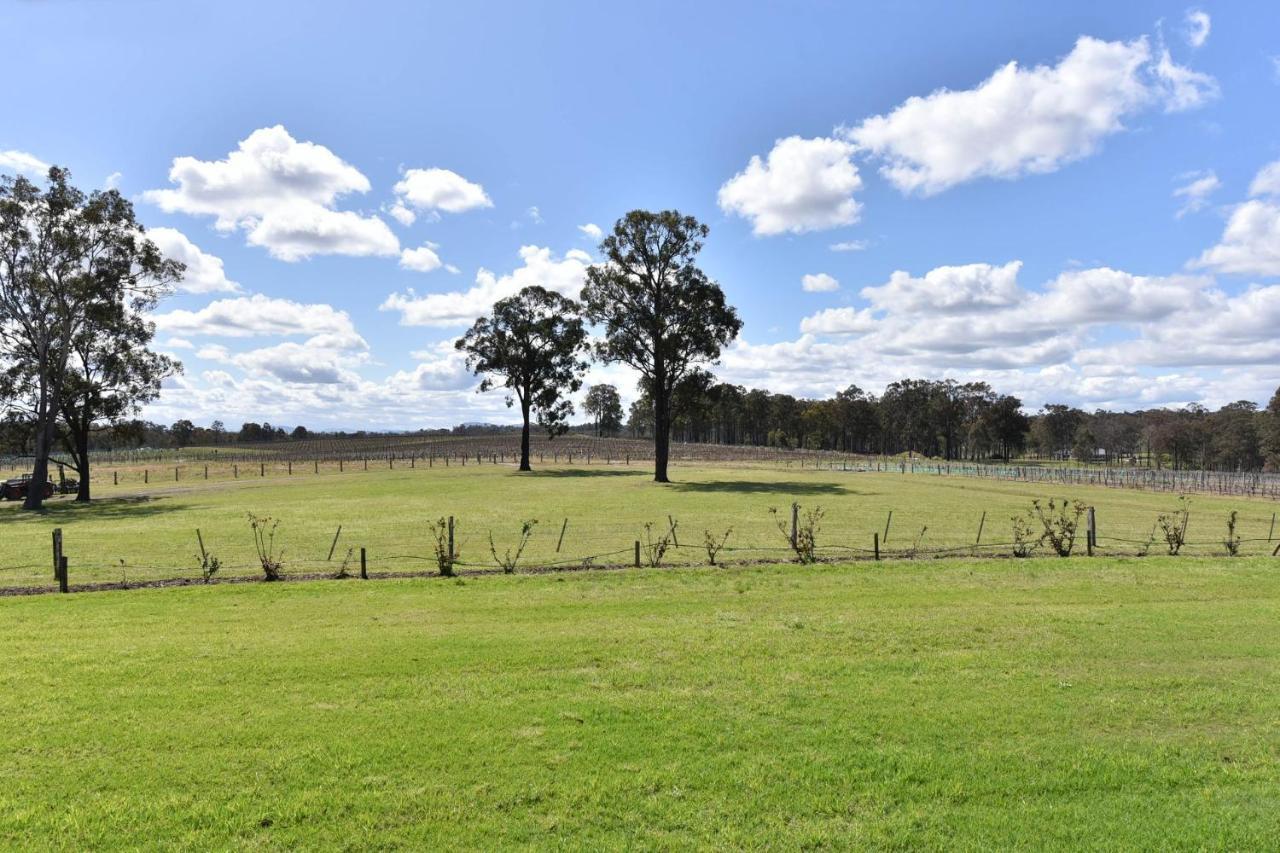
{"x":532,"y":345}
{"x":661,"y":314}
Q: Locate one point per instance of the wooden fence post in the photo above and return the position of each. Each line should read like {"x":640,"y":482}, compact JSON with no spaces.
{"x":146,"y":475}
{"x":62,"y":574}
{"x":335,"y":543}
{"x":981,"y":522}
{"x":886,"y":526}
{"x":563,"y":528}
{"x":235,"y":472}
{"x":364,"y":569}
{"x":450,"y":560}
{"x":637,"y":553}
{"x":206,"y":472}
{"x":262,"y":469}
{"x":115,"y":478}
{"x":1092,"y":534}
{"x":57,"y":550}
{"x":875,"y":543}
{"x":795,"y":520}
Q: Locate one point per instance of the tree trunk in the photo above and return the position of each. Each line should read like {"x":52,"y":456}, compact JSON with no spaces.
{"x":524,"y":439}
{"x":661,"y":437}
{"x":39,"y":470}
{"x":82,"y":465}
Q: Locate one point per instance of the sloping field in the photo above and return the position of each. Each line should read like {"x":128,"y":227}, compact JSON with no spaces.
{"x":1110,"y":703}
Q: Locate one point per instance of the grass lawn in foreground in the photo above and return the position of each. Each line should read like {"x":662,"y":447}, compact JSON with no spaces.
{"x":941,"y":704}
{"x":131,"y":535}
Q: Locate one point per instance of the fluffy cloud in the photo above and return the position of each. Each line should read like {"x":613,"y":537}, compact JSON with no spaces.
{"x":23,"y":163}
{"x":819,"y":283}
{"x":1022,"y":121}
{"x":949,"y":289}
{"x":421,"y":259}
{"x":839,"y":321}
{"x":1195,"y":193}
{"x":204,"y":271}
{"x":1197,"y":25}
{"x":1267,"y":181}
{"x":321,"y":360}
{"x":1250,"y":245}
{"x":281,"y":193}
{"x":434,"y":190}
{"x":592,"y":231}
{"x":257,"y":316}
{"x":803,"y":185}
{"x":459,"y":308}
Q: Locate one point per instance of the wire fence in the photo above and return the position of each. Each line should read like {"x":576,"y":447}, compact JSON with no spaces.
{"x":157,"y":468}
{"x":491,"y":546}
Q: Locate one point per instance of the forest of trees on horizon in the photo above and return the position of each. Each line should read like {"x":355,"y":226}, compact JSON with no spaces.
{"x":936,"y":418}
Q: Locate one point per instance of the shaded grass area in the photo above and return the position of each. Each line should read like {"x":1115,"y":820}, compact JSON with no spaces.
{"x":1040,"y":703}
{"x":129,"y":534}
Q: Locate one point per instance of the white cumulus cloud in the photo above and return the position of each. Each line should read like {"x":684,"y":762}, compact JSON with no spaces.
{"x":421,"y":259}
{"x":23,"y":163}
{"x":1022,"y":121}
{"x":819,"y":283}
{"x":433,"y":190}
{"x":281,"y":193}
{"x":802,"y":185}
{"x":564,"y":275}
{"x":204,"y":271}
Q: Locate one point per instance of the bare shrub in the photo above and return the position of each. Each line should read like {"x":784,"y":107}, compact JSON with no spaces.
{"x":1023,"y":542}
{"x":713,"y":544}
{"x":1060,"y":521}
{"x":1174,"y":525}
{"x":445,"y":555}
{"x":808,"y":525}
{"x":264,"y":543}
{"x":510,"y":558}
{"x":342,"y":573}
{"x":656,"y":546}
{"x":1233,"y":539}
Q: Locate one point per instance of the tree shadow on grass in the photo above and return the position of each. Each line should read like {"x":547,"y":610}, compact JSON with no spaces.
{"x":99,"y":509}
{"x":581,"y":472}
{"x":752,"y":487}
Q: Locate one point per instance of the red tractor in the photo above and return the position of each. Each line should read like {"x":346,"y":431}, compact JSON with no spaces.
{"x":17,"y":488}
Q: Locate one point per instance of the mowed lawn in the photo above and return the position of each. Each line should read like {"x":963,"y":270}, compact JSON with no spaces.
{"x":1111,"y":703}
{"x":136,"y":533}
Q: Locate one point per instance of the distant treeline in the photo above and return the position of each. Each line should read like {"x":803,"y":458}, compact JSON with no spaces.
{"x":950,"y":420}
{"x":943,"y":419}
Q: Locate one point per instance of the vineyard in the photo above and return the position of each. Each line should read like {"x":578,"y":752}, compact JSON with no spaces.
{"x":383,"y":452}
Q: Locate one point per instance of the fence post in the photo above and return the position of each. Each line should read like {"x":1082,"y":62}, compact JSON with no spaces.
{"x":450,"y":561}
{"x":1092,"y":537}
{"x":206,"y":472}
{"x":316,"y":463}
{"x":886,"y":526}
{"x":563,"y":528}
{"x":262,"y":469}
{"x":175,"y":473}
{"x":62,"y":574}
{"x":57,"y":550}
{"x":364,"y":568}
{"x":982,"y":521}
{"x":875,"y":543}
{"x":795,"y":519}
{"x":235,"y":472}
{"x":1273,"y":527}
{"x":335,"y":543}
{"x":115,"y":478}
{"x":146,"y":475}
{"x":637,"y":553}
{"x":290,"y":464}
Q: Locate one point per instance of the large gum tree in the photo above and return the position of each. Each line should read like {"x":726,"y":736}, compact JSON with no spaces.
{"x":532,"y":345}
{"x":661,"y":314}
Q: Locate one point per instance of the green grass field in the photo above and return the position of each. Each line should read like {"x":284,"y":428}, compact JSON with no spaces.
{"x":1113,"y":704}
{"x":138,"y":532}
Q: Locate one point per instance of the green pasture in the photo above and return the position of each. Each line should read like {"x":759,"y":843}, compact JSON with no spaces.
{"x":1031,"y":704}
{"x":140,"y":532}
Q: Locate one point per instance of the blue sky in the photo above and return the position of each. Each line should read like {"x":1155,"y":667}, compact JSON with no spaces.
{"x":1070,"y":202}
